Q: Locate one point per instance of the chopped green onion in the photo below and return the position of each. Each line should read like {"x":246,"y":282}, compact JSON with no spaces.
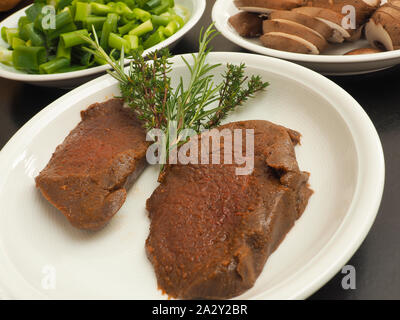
{"x":141,"y":14}
{"x":151,"y":4}
{"x":10,"y":33}
{"x":121,"y":8}
{"x":171,"y":28}
{"x":73,"y":38}
{"x":95,"y":21}
{"x":36,"y":38}
{"x":53,"y":34}
{"x":63,"y":52}
{"x":127,"y":27}
{"x":21,"y":23}
{"x":155,"y":38}
{"x":29,"y":58}
{"x":82,"y":11}
{"x":33,"y":11}
{"x":6,"y":56}
{"x":4,"y":33}
{"x":117,"y":42}
{"x":142,"y":29}
{"x":164,"y":6}
{"x":54,"y":65}
{"x":100,"y":9}
{"x":109,"y":26}
{"x":160,"y":20}
{"x":133,"y":41}
{"x":17,"y":42}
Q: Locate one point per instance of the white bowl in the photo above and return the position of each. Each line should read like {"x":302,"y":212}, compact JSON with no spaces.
{"x":340,"y":148}
{"x":331,"y":62}
{"x":75,"y":78}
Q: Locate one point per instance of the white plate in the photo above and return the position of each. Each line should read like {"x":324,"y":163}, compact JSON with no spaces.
{"x":332,"y":62}
{"x":340,"y":148}
{"x":75,"y":78}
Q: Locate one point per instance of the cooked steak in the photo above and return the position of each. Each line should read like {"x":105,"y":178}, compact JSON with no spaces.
{"x":89,"y":173}
{"x":212,"y":230}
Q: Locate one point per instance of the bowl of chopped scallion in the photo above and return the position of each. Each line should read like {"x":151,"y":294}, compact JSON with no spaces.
{"x":44,"y":43}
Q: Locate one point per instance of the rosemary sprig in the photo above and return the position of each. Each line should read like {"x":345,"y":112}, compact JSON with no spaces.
{"x":146,"y":88}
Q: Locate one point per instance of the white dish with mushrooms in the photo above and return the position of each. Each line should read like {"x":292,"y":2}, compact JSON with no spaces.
{"x":336,"y":37}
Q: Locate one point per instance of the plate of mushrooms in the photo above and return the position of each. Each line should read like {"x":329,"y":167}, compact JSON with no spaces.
{"x":333,"y":37}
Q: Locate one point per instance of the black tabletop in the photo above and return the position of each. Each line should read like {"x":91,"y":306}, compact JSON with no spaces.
{"x":377,"y":261}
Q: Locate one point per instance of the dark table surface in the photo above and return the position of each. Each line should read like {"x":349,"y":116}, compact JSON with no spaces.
{"x":377,"y":261}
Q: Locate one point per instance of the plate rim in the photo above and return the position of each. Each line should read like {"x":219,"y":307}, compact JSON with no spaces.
{"x":371,"y":161}
{"x":219,"y":9}
{"x":198,"y":11}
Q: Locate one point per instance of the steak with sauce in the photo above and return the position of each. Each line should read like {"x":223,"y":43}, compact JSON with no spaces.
{"x":89,"y":173}
{"x":211,"y":230}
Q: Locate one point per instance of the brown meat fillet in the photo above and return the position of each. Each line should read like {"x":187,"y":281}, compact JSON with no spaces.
{"x":212,"y":230}
{"x":89,"y":173}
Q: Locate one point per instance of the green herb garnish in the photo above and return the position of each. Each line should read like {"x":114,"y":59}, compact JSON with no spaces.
{"x":146,"y":88}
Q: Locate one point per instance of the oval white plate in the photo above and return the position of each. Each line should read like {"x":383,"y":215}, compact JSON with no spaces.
{"x":332,"y":62}
{"x":340,"y":148}
{"x":75,"y":78}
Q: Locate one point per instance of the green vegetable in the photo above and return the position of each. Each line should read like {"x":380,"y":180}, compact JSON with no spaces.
{"x":71,"y":68}
{"x":200,"y":102}
{"x":36,"y":37}
{"x":127,"y":27}
{"x":10,"y":33}
{"x":109,"y":26}
{"x":21,"y":23}
{"x":142,"y":29}
{"x":33,"y":11}
{"x":129,"y":24}
{"x":121,"y":8}
{"x":73,"y":38}
{"x":53,"y":66}
{"x":95,"y":21}
{"x":6,"y":56}
{"x":63,"y":52}
{"x":133,"y":41}
{"x":29,"y":58}
{"x":4,"y":33}
{"x":53,"y":34}
{"x":17,"y":42}
{"x":160,"y":20}
{"x":100,"y":9}
{"x":82,"y":11}
{"x":155,"y":38}
{"x":164,"y":6}
{"x":151,"y":4}
{"x":141,"y":14}
{"x":171,"y":28}
{"x":117,"y":42}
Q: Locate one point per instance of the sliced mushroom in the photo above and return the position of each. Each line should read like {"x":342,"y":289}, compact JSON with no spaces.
{"x":394,"y":4}
{"x":331,"y":18}
{"x":383,"y":31}
{"x":363,"y":8}
{"x":362,"y":51}
{"x":296,"y":29}
{"x":357,"y":34}
{"x":390,"y":10}
{"x":288,"y":42}
{"x":247,"y":24}
{"x":267,"y":6}
{"x":318,"y":26}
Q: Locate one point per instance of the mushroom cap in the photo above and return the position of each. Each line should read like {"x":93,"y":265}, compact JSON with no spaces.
{"x":266,"y":6}
{"x":296,"y":29}
{"x":288,"y":42}
{"x":320,"y":27}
